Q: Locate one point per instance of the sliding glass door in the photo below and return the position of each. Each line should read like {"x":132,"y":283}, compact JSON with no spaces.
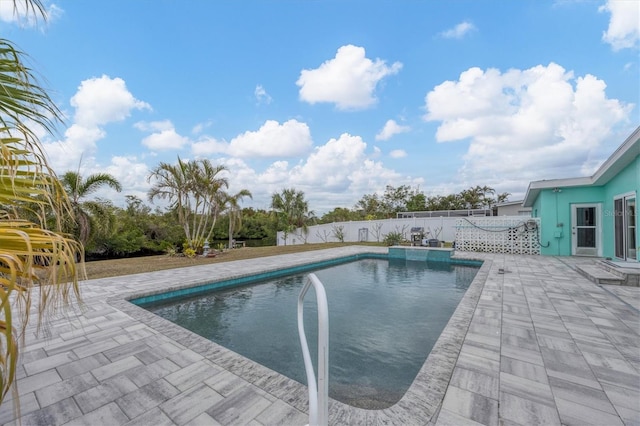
{"x":625,"y":227}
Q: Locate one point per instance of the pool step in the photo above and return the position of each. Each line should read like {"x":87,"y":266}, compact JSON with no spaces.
{"x":597,"y":274}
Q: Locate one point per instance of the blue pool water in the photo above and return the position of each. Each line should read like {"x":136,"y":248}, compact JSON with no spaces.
{"x":385,"y":315}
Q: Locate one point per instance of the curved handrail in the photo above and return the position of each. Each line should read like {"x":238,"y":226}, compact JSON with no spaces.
{"x":318,"y":393}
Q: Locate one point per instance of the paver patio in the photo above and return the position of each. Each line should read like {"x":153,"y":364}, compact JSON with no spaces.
{"x":532,"y":342}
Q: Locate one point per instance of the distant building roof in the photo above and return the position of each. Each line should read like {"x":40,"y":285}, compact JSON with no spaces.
{"x":508,"y":203}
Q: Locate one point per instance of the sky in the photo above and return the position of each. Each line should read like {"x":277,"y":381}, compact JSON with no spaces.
{"x":337,"y":98}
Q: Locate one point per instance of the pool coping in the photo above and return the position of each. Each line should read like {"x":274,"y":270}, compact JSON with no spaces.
{"x":420,"y":403}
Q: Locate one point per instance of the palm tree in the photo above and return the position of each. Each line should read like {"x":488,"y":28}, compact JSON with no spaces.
{"x":172,"y":184}
{"x":234,"y":212}
{"x":30,"y":254}
{"x":291,"y":211}
{"x":195,"y":190}
{"x":92,"y":216}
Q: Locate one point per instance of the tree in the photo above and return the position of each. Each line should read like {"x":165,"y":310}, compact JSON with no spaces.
{"x":339,"y":214}
{"x":473,"y":197}
{"x":234,"y":212}
{"x":195,"y":190}
{"x":31,"y":256}
{"x":370,"y":207}
{"x":92,"y":216}
{"x":417,"y":202}
{"x":395,"y":199}
{"x":291,"y":211}
{"x":447,"y":202}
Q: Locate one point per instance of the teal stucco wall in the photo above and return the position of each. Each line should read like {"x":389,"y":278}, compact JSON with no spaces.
{"x":554,"y":209}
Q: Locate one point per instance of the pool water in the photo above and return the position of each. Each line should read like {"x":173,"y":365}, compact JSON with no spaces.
{"x":384,"y":318}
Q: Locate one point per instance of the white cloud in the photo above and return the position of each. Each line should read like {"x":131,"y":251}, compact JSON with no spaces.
{"x":331,"y":164}
{"x":207,"y":146}
{"x":276,"y":174}
{"x":538,"y":123}
{"x":624,"y":25}
{"x":98,"y":102}
{"x":200,"y":127}
{"x":154,"y":126}
{"x":262,"y":97}
{"x":390,"y":129}
{"x":459,"y":31}
{"x":79,"y":146}
{"x":132,"y":175}
{"x":349,"y":80}
{"x":289,"y":139}
{"x":335,"y":174}
{"x":398,"y":153}
{"x":104,"y":100}
{"x":165,"y":140}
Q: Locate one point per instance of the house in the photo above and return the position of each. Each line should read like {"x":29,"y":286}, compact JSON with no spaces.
{"x":594,"y":215}
{"x":511,"y":208}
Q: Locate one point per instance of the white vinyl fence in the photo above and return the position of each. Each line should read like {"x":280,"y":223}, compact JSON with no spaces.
{"x":496,"y":234}
{"x":440,"y":228}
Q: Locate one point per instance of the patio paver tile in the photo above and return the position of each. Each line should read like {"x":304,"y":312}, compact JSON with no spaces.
{"x":572,"y":413}
{"x":147,"y":397}
{"x":203,"y":420}
{"x":471,"y":405}
{"x":279,"y":413}
{"x":28,"y":404}
{"x":524,"y":345}
{"x":583,"y":395}
{"x":107,"y":415}
{"x":38,"y":381}
{"x":535,"y":391}
{"x":527,"y":412}
{"x":483,"y":384}
{"x":240,"y":407}
{"x":65,"y":389}
{"x":153,"y":417}
{"x":56,"y":414}
{"x":114,"y":368}
{"x":104,"y":393}
{"x":48,"y":363}
{"x":190,"y":404}
{"x":187,"y":377}
{"x":523,"y":369}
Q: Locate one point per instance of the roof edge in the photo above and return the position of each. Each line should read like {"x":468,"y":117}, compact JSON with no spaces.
{"x":600,"y":177}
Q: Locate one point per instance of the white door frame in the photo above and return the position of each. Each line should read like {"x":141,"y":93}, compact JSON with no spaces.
{"x":578,"y":251}
{"x":629,"y":254}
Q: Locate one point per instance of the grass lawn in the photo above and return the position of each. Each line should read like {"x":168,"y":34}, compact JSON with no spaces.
{"x":117,"y":267}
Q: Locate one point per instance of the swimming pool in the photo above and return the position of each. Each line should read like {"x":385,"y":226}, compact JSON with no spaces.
{"x":385,"y":315}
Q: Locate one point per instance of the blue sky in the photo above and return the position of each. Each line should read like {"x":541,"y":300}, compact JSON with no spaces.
{"x":338,"y":98}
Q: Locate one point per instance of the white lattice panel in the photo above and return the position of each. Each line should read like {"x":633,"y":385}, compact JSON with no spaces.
{"x":512,"y":235}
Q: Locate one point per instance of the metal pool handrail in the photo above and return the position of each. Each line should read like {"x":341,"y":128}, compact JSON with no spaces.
{"x":318,"y":393}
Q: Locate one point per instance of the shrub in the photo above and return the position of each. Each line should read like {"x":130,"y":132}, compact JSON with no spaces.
{"x":393,"y":238}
